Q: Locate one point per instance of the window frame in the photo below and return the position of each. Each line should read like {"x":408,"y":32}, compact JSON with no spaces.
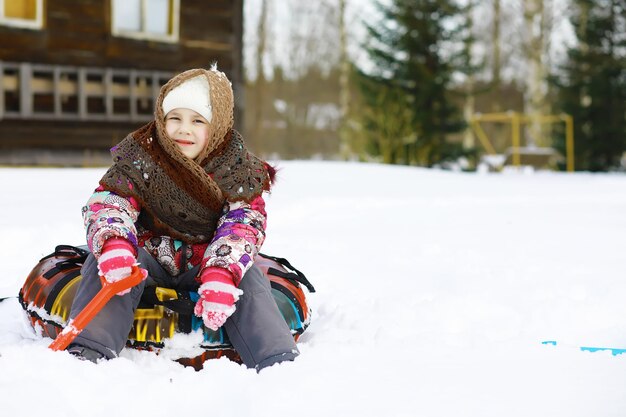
{"x":17,"y":22}
{"x":147,"y":36}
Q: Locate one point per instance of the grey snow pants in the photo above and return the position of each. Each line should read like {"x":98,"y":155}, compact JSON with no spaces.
{"x":256,"y":329}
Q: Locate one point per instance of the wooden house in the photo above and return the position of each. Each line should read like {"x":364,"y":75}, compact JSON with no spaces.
{"x":77,"y":75}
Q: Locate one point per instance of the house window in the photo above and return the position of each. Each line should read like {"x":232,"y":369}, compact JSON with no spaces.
{"x":22,"y":13}
{"x":145,"y":19}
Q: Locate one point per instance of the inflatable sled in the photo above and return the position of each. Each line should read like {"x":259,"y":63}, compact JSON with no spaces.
{"x":49,"y":290}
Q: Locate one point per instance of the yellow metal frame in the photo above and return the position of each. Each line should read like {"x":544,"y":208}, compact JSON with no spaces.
{"x":517,"y":119}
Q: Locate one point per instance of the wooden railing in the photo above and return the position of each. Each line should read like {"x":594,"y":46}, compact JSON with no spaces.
{"x":56,"y":92}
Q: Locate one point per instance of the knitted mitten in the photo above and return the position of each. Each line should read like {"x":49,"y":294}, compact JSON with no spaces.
{"x":218,"y":295}
{"x":116,"y":260}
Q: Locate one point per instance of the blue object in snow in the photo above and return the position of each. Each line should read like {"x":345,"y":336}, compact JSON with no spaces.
{"x":614,"y":351}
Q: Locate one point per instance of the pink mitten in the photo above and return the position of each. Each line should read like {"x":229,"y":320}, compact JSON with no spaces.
{"x":218,"y":295}
{"x":116,"y":260}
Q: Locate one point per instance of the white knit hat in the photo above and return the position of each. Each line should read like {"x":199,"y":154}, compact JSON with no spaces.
{"x":193,"y":94}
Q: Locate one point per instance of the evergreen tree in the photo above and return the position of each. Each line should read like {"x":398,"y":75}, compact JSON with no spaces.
{"x":592,"y":87}
{"x":413,"y":53}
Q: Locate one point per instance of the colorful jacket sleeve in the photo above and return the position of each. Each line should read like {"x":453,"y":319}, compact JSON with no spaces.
{"x":106,"y":215}
{"x":238,"y":238}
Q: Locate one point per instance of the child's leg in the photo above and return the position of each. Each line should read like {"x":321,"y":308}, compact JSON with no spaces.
{"x":257,"y":329}
{"x":108,"y":332}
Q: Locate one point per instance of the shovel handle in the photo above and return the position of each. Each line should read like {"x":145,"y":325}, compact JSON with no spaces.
{"x":108,"y":290}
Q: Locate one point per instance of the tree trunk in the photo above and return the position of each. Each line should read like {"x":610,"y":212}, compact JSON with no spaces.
{"x":536,"y":86}
{"x":260,"y":78}
{"x":344,"y":85}
{"x":468,"y":105}
{"x":496,"y":66}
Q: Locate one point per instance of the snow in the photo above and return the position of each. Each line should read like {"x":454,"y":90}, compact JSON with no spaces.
{"x":435,"y":290}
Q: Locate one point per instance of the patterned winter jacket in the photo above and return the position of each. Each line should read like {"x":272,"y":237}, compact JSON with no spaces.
{"x":238,"y":238}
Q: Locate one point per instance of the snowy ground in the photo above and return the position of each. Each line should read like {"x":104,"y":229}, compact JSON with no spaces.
{"x":435,"y":290}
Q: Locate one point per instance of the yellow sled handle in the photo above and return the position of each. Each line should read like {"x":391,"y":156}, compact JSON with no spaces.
{"x":108,"y":290}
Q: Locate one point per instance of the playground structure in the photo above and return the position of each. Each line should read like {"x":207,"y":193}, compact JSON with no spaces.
{"x":516,"y":121}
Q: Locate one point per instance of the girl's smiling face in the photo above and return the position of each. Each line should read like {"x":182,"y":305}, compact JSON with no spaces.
{"x":189,"y":130}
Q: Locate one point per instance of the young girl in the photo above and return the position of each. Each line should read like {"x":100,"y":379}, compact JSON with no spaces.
{"x":183,"y":199}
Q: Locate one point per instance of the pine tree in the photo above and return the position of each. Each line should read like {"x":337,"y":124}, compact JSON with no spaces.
{"x":413,"y":52}
{"x":592,"y":87}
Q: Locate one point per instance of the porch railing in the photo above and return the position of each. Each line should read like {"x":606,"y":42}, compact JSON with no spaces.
{"x":57,"y":92}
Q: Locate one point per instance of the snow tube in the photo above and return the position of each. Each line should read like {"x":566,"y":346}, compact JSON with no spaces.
{"x":49,"y":290}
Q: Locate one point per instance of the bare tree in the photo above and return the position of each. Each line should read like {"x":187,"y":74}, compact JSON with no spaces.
{"x":470,"y":94}
{"x":535,"y":51}
{"x":344,"y":84}
{"x":260,"y":86}
{"x":496,"y":65}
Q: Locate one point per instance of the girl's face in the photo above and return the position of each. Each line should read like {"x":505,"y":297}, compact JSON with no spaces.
{"x":189,"y":130}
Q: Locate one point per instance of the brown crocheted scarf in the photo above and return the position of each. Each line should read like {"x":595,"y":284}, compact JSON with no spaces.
{"x":181,"y":197}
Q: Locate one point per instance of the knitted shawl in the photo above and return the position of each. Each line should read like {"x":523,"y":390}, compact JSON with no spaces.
{"x":180,"y":197}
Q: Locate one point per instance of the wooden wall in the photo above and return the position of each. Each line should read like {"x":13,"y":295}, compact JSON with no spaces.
{"x":78,"y":33}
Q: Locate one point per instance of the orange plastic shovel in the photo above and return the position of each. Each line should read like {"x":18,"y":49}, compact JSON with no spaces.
{"x":109,"y":289}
